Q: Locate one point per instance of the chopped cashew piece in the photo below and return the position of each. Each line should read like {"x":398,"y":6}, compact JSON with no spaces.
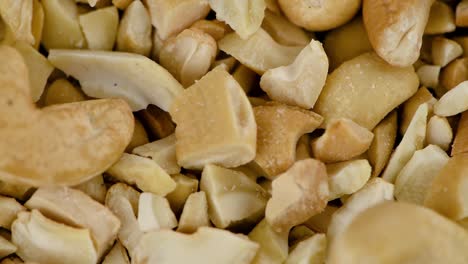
{"x":37,"y":23}
{"x":18,"y":191}
{"x":463,"y":42}
{"x":259,"y":52}
{"x":17,"y":16}
{"x":77,"y":128}
{"x":61,"y":91}
{"x":343,"y":140}
{"x":139,"y":138}
{"x":396,"y":28}
{"x":215,"y":28}
{"x":347,"y":177}
{"x":9,"y":208}
{"x":445,"y":50}
{"x":412,"y":140}
{"x":201,"y":247}
{"x":299,"y":233}
{"x":163,"y":152}
{"x":454,"y":73}
{"x":195,"y":213}
{"x":134,"y":34}
{"x":6,"y":247}
{"x":245,"y":77}
{"x":283,"y":31}
{"x":408,"y":233}
{"x":439,"y":132}
{"x":157,"y":121}
{"x":215,"y":123}
{"x":154,"y":213}
{"x":102,"y":74}
{"x":297,"y":194}
{"x":185,"y":186}
{"x":321,"y":221}
{"x":460,"y":144}
{"x":273,"y":245}
{"x":301,"y":82}
{"x":461,"y":15}
{"x":441,"y":19}
{"x":279,"y":128}
{"x":227,"y":64}
{"x":157,"y":46}
{"x":429,"y":75}
{"x":382,"y":144}
{"x":303,"y":150}
{"x":145,"y":173}
{"x":353,"y":89}
{"x":122,"y":4}
{"x":100,"y":28}
{"x":94,"y":187}
{"x":311,"y":250}
{"x":454,"y":101}
{"x":422,"y":96}
{"x":233,"y":198}
{"x":117,"y":255}
{"x":46,"y":241}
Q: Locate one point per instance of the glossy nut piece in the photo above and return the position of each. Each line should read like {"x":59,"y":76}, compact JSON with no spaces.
{"x":100,"y":28}
{"x":134,"y":34}
{"x":382,"y":144}
{"x":460,"y":144}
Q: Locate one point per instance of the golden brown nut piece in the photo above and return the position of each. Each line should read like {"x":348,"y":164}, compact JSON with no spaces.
{"x":157,"y":121}
{"x":215,"y":28}
{"x":441,"y":19}
{"x":454,"y":73}
{"x":445,"y":50}
{"x":9,"y":208}
{"x":460,"y":144}
{"x":461,"y":16}
{"x":135,"y":29}
{"x":139,"y":138}
{"x":382,"y":145}
{"x":61,"y":91}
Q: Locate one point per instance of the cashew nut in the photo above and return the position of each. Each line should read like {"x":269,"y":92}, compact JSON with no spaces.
{"x":439,"y":132}
{"x":460,"y":144}
{"x":134,"y":34}
{"x":195,"y":213}
{"x":382,"y":144}
{"x":100,"y":28}
{"x":154,"y":213}
{"x":163,"y":152}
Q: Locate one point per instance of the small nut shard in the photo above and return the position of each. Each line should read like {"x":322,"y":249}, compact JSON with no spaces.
{"x":117,"y":255}
{"x":347,"y":177}
{"x":134,"y":34}
{"x":195,"y":213}
{"x":454,"y":73}
{"x":445,"y":50}
{"x":163,"y":152}
{"x":441,"y":19}
{"x":382,"y":144}
{"x":154,"y":213}
{"x":461,"y":15}
{"x":460,"y":144}
{"x":422,"y":96}
{"x":139,"y":138}
{"x":94,"y":187}
{"x":100,"y":28}
{"x":311,"y":250}
{"x":453,"y":102}
{"x":429,"y":75}
{"x":273,"y":245}
{"x":321,"y":221}
{"x":439,"y":132}
{"x":283,"y":31}
{"x":9,"y":208}
{"x":185,"y":186}
{"x":157,"y":121}
{"x":17,"y":16}
{"x":61,"y":91}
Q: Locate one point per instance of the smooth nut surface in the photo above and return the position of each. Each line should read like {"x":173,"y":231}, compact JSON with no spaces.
{"x":134,"y":34}
{"x":195,"y":213}
{"x":382,"y":144}
{"x":445,"y":50}
{"x":453,"y":102}
{"x":100,"y":28}
{"x":185,"y":186}
{"x":454,"y":73}
{"x":347,"y":177}
{"x":61,"y":91}
{"x":439,"y":132}
{"x":9,"y":208}
{"x":154,"y":213}
{"x":17,"y":16}
{"x":117,"y":255}
{"x":310,"y":250}
{"x":441,"y":19}
{"x":163,"y":152}
{"x":273,"y":244}
{"x":283,"y":31}
{"x":409,"y":107}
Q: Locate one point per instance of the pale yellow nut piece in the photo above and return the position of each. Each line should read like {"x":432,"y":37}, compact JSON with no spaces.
{"x":299,"y":193}
{"x":299,"y":233}
{"x":259,"y":52}
{"x":283,"y":31}
{"x":233,"y":198}
{"x":246,"y":78}
{"x":311,"y":250}
{"x":154,"y":213}
{"x":39,"y":68}
{"x":100,"y":28}
{"x":18,"y":191}
{"x":343,"y":140}
{"x":441,"y":19}
{"x":226,"y":64}
{"x":409,"y":234}
{"x":163,"y":152}
{"x":460,"y":144}
{"x":395,"y":28}
{"x":412,"y":140}
{"x":9,"y":208}
{"x":185,"y":186}
{"x":448,"y":193}
{"x":17,"y":16}
{"x":70,"y":156}
{"x":346,"y":42}
{"x":461,"y":15}
{"x":195,"y":213}
{"x":6,"y":247}
{"x":244,"y":17}
{"x":135,"y":78}
{"x":273,"y":245}
{"x":206,"y":246}
{"x":257,"y":101}
{"x":145,"y":173}
{"x":188,"y":56}
{"x":215,"y":28}
{"x":303,"y":150}
{"x":139,"y":138}
{"x":382,"y":144}
{"x":429,"y":75}
{"x":422,"y":96}
{"x":117,"y":255}
{"x":215,"y":123}
{"x":37,"y":23}
{"x":347,"y":177}
{"x":321,"y":221}
{"x":170,"y":17}
{"x":301,"y":82}
{"x":353,"y":89}
{"x":279,"y":128}
{"x":61,"y":91}
{"x":445,"y":50}
{"x":94,"y":187}
{"x":439,"y":132}
{"x":249,"y":171}
{"x":134,"y":34}
{"x":43,"y":240}
{"x":454,"y":101}
{"x":454,"y":73}
{"x":122,"y":4}
{"x":374,"y":192}
{"x":319,"y":15}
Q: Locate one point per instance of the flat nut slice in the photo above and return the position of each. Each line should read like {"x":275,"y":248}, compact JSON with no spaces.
{"x":195,"y":213}
{"x":454,"y":73}
{"x":154,"y":213}
{"x":117,"y":255}
{"x":17,"y":16}
{"x":347,"y":177}
{"x":163,"y":152}
{"x":454,"y":101}
{"x":185,"y":186}
{"x":460,"y":144}
{"x":9,"y":208}
{"x":273,"y":245}
{"x":100,"y":28}
{"x":445,"y":50}
{"x":94,"y":187}
{"x":6,"y":247}
{"x":439,"y":132}
{"x":283,"y":31}
{"x":382,"y":144}
{"x":409,"y":107}
{"x":134,"y":33}
{"x":441,"y":19}
{"x":311,"y":250}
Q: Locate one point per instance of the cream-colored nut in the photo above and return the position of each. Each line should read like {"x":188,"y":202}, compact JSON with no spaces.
{"x":75,"y":208}
{"x":215,"y":28}
{"x":37,"y":23}
{"x":382,"y":144}
{"x":154,"y":213}
{"x":102,"y":74}
{"x":412,"y":140}
{"x":303,"y":150}
{"x":454,"y":73}
{"x":347,"y":177}
{"x":61,"y":91}
{"x":299,"y":233}
{"x":139,"y":138}
{"x":244,"y":17}
{"x":460,"y":144}
{"x":95,"y":188}
{"x":134,"y":34}
{"x":301,"y":82}
{"x":353,"y":89}
{"x":18,"y":191}
{"x":122,"y":4}
{"x":245,"y":77}
{"x":227,"y":64}
{"x":6,"y":247}
{"x":100,"y":28}
{"x":441,"y":19}
{"x":311,"y":250}
{"x":454,"y":101}
{"x":195,"y":213}
{"x":279,"y":129}
{"x":163,"y":152}
{"x":17,"y":16}
{"x":233,"y":198}
{"x":461,"y":16}
{"x":157,"y":121}
{"x":185,"y":186}
{"x":46,"y":241}
{"x":215,"y":123}
{"x":145,"y":173}
{"x":170,"y":17}
{"x":259,"y":52}
{"x":61,"y":25}
{"x":374,"y":192}
{"x":319,"y":15}
{"x":77,"y":128}
{"x":321,"y":221}
{"x":445,"y":51}
{"x":422,"y":96}
{"x":117,"y":255}
{"x":346,"y":42}
{"x":439,"y":132}
{"x":188,"y":56}
{"x":395,"y":28}
{"x":9,"y":208}
{"x":297,"y":194}
{"x":429,"y":75}
{"x":343,"y":140}
{"x":273,"y":245}
{"x":283,"y":31}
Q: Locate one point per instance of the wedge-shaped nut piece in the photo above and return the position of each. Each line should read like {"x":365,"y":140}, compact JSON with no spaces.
{"x":201,"y":247}
{"x":17,"y":16}
{"x":139,"y":138}
{"x":185,"y":185}
{"x":301,"y":82}
{"x":311,"y":250}
{"x":454,"y":73}
{"x":463,"y":42}
{"x":259,"y":52}
{"x":95,"y":188}
{"x":396,"y":28}
{"x":429,"y":75}
{"x":439,"y":132}
{"x":245,"y":77}
{"x":9,"y":208}
{"x":61,"y":91}
{"x":215,"y":123}
{"x":188,"y":56}
{"x":297,"y":194}
{"x":155,"y":213}
{"x":233,"y":198}
{"x":100,"y":28}
{"x":353,"y":88}
{"x":102,"y":74}
{"x":273,"y":245}
{"x":195,"y":213}
{"x":412,"y":140}
{"x":6,"y":247}
{"x":409,"y":234}
{"x":283,"y":31}
{"x":343,"y":140}
{"x":461,"y":16}
{"x":299,"y":233}
{"x":279,"y":129}
{"x":41,"y":239}
{"x":445,"y":50}
{"x":454,"y":101}
{"x":157,"y":121}
{"x":422,"y":96}
{"x":215,"y":28}
{"x":134,"y":33}
{"x":441,"y":19}
{"x":382,"y":144}
{"x":145,"y":173}
{"x":170,"y":17}
{"x":347,"y":177}
{"x":303,"y":148}
{"x":163,"y":152}
{"x":78,"y":128}
{"x":460,"y":144}
{"x":321,"y":221}
{"x":117,"y":255}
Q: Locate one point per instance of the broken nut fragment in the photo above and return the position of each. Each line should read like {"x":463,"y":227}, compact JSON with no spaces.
{"x":9,"y":208}
{"x":117,"y":255}
{"x":195,"y":213}
{"x":441,"y":19}
{"x":215,"y":28}
{"x":185,"y":186}
{"x":154,"y":213}
{"x":382,"y":144}
{"x":139,"y":138}
{"x":461,"y":15}
{"x":454,"y":73}
{"x":429,"y":75}
{"x":95,"y":188}
{"x":311,"y":250}
{"x":6,"y":248}
{"x":157,"y":121}
{"x":439,"y":132}
{"x":17,"y":16}
{"x":134,"y":34}
{"x":61,"y":91}
{"x":273,"y":245}
{"x":453,"y":102}
{"x":100,"y":28}
{"x":409,"y":107}
{"x":460,"y":144}
{"x":347,"y":177}
{"x":283,"y":31}
{"x":445,"y":50}
{"x":163,"y":152}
